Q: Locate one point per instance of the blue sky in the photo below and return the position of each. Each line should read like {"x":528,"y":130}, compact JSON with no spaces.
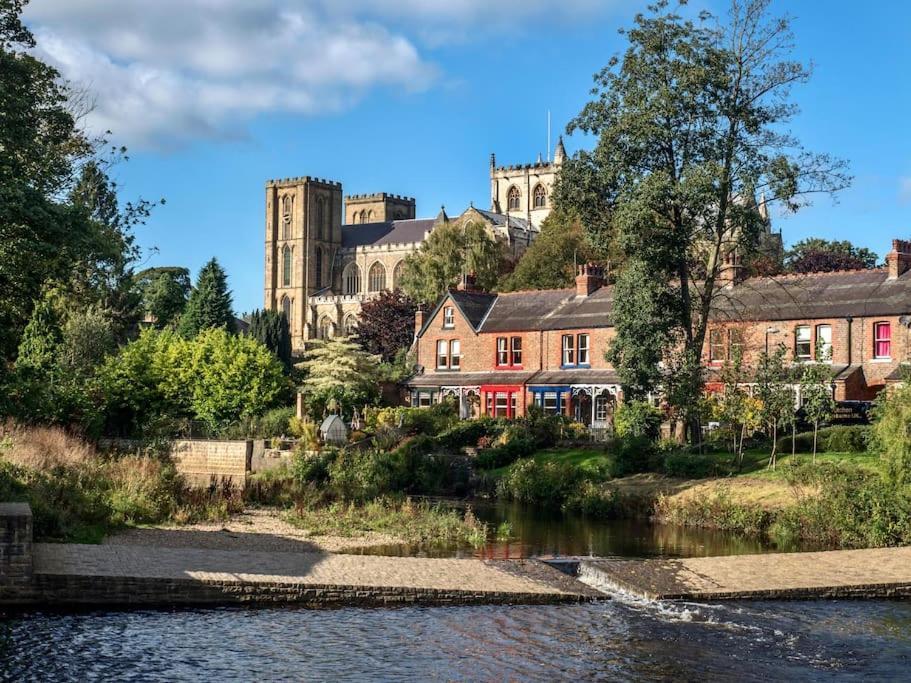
{"x":412,"y":96}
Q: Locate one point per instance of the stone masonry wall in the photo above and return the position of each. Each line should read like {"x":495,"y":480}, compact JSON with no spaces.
{"x":204,"y":461}
{"x":15,"y":552}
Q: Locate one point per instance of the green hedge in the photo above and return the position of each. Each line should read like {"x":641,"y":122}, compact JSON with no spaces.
{"x":840,"y":439}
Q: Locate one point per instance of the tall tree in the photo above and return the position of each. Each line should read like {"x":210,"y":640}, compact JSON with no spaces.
{"x":164,"y":293}
{"x":210,"y":302}
{"x":451,"y":251}
{"x":385,"y":325}
{"x":550,"y":261}
{"x":690,"y":128}
{"x":270,"y":328}
{"x":338,"y":370}
{"x":816,"y":255}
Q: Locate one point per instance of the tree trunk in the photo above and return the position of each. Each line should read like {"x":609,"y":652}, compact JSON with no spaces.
{"x":772,"y":459}
{"x":815,"y":430}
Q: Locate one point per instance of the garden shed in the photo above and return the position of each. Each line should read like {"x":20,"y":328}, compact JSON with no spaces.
{"x":333,"y":430}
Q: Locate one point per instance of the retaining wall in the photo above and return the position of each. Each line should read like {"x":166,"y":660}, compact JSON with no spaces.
{"x":204,"y":461}
{"x":16,"y":560}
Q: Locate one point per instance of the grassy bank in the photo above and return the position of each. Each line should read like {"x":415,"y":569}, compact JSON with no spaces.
{"x":407,"y":520}
{"x":78,"y":494}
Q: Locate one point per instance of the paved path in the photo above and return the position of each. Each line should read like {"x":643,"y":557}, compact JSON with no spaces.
{"x":162,"y":572}
{"x":882,"y":572}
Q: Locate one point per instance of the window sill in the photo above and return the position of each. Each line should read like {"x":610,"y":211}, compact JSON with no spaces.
{"x":448,"y":369}
{"x":508,"y":367}
{"x":581,"y":366}
{"x":884,"y":359}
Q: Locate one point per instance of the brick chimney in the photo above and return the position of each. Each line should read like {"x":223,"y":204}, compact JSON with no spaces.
{"x":898,"y":261}
{"x":589,"y":279}
{"x":468,"y":283}
{"x":418,"y":321}
{"x":731,"y":271}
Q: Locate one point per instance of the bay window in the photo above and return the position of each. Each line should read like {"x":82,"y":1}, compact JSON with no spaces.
{"x":882,"y":340}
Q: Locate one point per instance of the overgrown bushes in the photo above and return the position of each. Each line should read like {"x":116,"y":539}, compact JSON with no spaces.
{"x":839,"y":439}
{"x":78,"y":494}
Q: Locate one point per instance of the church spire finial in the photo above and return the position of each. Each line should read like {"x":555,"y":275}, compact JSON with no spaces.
{"x":559,"y":152}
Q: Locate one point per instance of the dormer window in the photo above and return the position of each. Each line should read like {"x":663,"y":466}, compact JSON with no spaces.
{"x":449,"y":317}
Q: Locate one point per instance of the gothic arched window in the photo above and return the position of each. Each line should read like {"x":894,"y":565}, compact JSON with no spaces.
{"x":363,"y":216}
{"x":397,"y":274}
{"x":540,"y":197}
{"x":512,"y":198}
{"x":350,"y":325}
{"x":287,"y":308}
{"x":325,"y":328}
{"x":370,"y":216}
{"x":377,"y":279}
{"x":286,"y":266}
{"x":352,"y":279}
{"x":319,"y":267}
{"x":287,"y":209}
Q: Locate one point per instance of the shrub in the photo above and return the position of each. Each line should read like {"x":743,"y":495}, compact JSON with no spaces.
{"x":631,"y":454}
{"x":308,"y":468}
{"x":638,"y":419}
{"x":685,"y":465}
{"x":596,"y":499}
{"x":712,"y":511}
{"x":365,"y":475}
{"x":547,"y":484}
{"x":890,"y":434}
{"x":469,"y":433}
{"x":838,"y":439}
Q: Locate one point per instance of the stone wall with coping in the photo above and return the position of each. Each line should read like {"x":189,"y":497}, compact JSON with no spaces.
{"x":16,"y":563}
{"x":202,"y":461}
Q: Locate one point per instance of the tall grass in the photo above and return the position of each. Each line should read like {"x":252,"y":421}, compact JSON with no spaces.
{"x":79,"y":494}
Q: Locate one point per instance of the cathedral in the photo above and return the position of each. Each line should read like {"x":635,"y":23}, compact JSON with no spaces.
{"x":327,"y":253}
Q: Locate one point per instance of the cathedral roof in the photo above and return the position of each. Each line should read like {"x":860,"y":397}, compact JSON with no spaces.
{"x":500,"y":219}
{"x":387,"y":232}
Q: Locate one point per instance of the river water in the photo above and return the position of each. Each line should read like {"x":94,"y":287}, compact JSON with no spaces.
{"x":624,"y":638}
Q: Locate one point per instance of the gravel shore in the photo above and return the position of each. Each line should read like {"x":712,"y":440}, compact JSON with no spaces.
{"x":251,"y":530}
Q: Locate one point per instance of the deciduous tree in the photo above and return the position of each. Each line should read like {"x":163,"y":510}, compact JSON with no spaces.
{"x":815,"y":255}
{"x":690,"y":126}
{"x":385,"y":325}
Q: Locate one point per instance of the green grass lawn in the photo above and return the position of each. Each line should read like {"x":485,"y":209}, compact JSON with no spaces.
{"x":755,"y":461}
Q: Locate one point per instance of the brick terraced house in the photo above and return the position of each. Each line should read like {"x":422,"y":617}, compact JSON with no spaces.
{"x":498,"y":353}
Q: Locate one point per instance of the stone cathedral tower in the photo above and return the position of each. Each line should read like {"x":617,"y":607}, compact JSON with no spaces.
{"x":303,"y":237}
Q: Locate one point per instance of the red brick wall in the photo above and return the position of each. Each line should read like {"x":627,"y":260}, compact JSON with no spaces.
{"x":468,"y":339}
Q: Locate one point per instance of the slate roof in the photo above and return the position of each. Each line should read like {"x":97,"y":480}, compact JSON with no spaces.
{"x":549,"y":309}
{"x":575,"y":376}
{"x":474,"y":305}
{"x":462,"y":379}
{"x":816,"y":295}
{"x":500,"y":219}
{"x":387,"y":232}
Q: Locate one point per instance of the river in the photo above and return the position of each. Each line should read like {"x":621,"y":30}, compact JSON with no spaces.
{"x":624,"y":638}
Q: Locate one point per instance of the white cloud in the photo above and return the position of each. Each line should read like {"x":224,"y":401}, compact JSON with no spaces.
{"x":172,"y":70}
{"x":904,"y":189}
{"x":166,"y":71}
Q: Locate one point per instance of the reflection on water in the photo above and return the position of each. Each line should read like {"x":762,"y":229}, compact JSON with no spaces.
{"x":612,"y":640}
{"x":534,"y":532}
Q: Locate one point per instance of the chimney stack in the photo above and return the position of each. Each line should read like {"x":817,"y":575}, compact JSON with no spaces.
{"x":589,"y":279}
{"x":731,"y":271}
{"x":898,"y":261}
{"x":418,"y":321}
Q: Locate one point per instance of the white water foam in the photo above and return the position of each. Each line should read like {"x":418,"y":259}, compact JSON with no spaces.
{"x":665,"y":610}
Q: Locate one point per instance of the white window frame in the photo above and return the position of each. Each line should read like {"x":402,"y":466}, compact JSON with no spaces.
{"x":448,"y":317}
{"x":502,"y":352}
{"x":455,"y":354}
{"x":568,"y":350}
{"x":442,"y":354}
{"x":586,"y":349}
{"x":824,"y":346}
{"x":808,"y":341}
{"x":515,"y":352}
{"x":601,"y":408}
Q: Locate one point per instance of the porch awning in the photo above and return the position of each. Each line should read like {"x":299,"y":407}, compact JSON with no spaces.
{"x":461,"y":379}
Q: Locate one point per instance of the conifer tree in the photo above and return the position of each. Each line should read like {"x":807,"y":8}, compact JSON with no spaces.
{"x":210,"y":303}
{"x":270,"y":328}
